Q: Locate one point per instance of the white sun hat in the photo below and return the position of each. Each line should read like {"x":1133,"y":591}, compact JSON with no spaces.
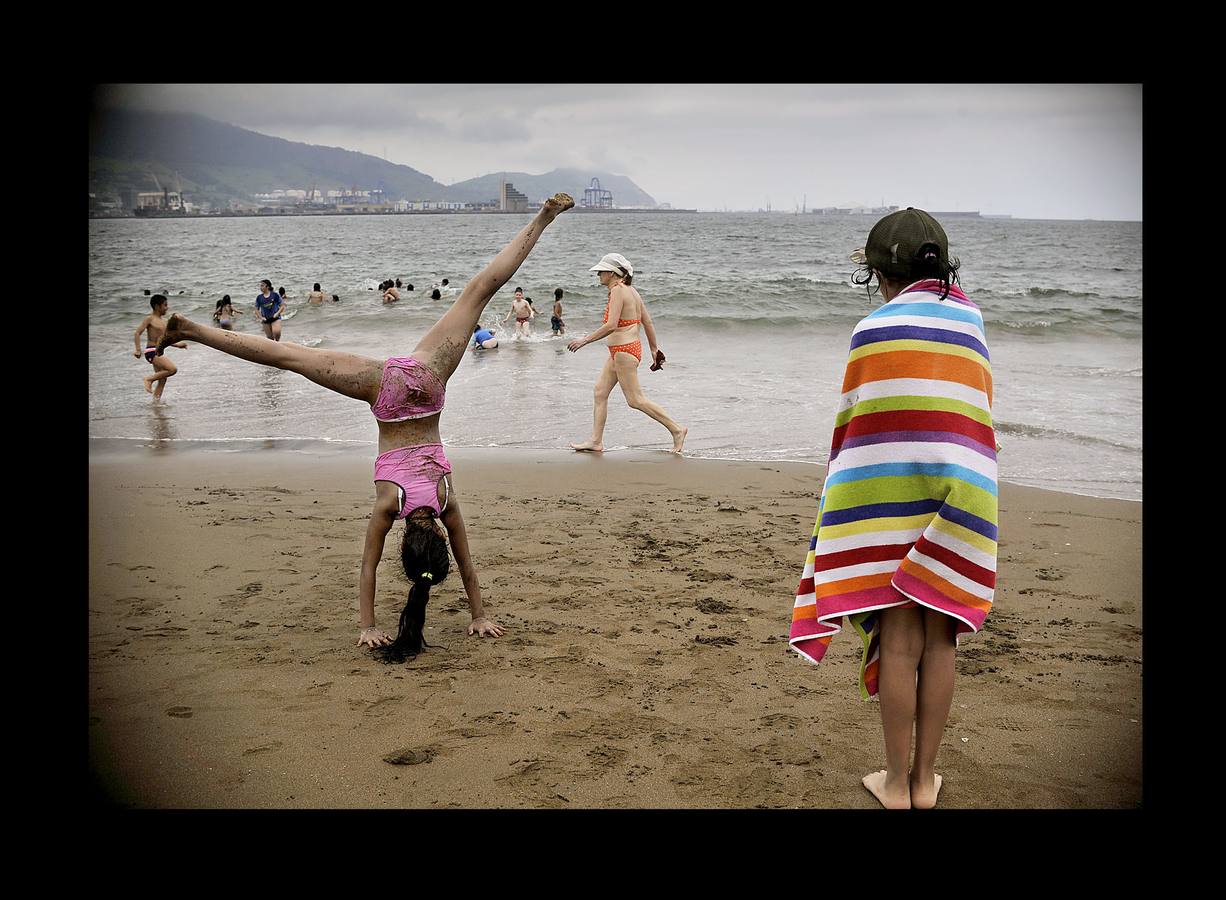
{"x":613,"y":262}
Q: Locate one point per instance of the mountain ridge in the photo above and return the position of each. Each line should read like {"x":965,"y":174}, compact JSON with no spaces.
{"x":218,"y":162}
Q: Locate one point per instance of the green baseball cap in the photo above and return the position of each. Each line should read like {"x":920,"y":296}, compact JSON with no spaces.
{"x":895,"y":240}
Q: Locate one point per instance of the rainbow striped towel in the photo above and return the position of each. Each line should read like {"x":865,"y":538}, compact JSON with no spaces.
{"x":908,"y":509}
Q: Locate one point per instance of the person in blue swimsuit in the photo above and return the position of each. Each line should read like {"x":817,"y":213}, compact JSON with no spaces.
{"x":483,"y":338}
{"x":268,"y":309}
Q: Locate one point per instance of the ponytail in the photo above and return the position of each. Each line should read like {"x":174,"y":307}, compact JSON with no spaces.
{"x":423,"y":552}
{"x":410,"y":637}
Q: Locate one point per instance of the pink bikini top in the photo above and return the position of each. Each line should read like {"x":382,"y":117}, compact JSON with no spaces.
{"x":409,"y":391}
{"x":416,"y":471}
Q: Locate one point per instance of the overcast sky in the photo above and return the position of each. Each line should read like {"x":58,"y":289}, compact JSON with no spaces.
{"x":1039,"y":151}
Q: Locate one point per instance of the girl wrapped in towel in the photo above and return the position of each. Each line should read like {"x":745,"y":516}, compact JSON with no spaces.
{"x":905,"y":540}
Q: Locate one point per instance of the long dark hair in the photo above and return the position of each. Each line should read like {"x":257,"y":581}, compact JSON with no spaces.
{"x":423,"y":552}
{"x":926,"y":263}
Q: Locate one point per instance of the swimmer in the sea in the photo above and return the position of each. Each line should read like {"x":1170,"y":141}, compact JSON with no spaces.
{"x":154,"y":326}
{"x":316,"y":297}
{"x":223,"y":315}
{"x":522,"y":310}
{"x":268,"y":309}
{"x":483,"y":338}
{"x":555,"y":321}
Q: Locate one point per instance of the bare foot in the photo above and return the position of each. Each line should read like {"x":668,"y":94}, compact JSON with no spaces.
{"x":558,"y":203}
{"x":172,"y":334}
{"x":924,"y":796}
{"x":894,"y":799}
{"x":591,"y":446}
{"x":148,"y":379}
{"x":679,"y":440}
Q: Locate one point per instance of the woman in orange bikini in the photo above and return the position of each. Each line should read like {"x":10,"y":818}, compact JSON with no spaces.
{"x":623,"y":314}
{"x":412,"y":474}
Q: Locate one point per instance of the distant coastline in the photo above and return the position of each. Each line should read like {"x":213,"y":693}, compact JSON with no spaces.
{"x":290,"y":211}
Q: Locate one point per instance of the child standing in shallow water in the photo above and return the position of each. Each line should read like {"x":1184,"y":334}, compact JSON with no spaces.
{"x":154,"y":325}
{"x":223,"y":315}
{"x":555,"y":321}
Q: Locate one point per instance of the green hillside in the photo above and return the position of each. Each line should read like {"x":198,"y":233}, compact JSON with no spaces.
{"x":215,"y":161}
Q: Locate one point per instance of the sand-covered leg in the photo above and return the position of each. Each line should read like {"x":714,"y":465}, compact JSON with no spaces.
{"x":443,"y":346}
{"x":349,"y":374}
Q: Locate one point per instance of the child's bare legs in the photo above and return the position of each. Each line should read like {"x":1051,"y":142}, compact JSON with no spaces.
{"x":600,"y":407}
{"x":627,"y":368}
{"x":359,"y":377}
{"x":902,"y":647}
{"x":163,"y":368}
{"x":935,"y":694}
{"x":442,"y":348}
{"x":273,"y":331}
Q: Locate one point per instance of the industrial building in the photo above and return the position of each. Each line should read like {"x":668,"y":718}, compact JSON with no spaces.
{"x":511,"y":200}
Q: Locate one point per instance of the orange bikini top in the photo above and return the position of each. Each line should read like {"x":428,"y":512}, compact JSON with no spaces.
{"x":621,"y":323}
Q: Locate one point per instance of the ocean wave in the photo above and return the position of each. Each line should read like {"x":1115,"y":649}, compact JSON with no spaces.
{"x":1020,"y":429}
{"x":1057,"y":292}
{"x":824,"y":318}
{"x":1107,"y":371}
{"x":1022,"y":325}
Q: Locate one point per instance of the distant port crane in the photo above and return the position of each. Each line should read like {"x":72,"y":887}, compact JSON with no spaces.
{"x":596,"y":197}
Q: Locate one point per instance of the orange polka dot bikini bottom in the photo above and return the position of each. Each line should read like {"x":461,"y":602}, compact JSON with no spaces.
{"x":635,"y":349}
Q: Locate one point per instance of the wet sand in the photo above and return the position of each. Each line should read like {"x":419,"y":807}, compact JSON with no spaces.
{"x":646,"y":660}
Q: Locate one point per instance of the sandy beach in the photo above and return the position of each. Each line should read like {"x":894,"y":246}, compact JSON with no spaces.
{"x":646,"y":661}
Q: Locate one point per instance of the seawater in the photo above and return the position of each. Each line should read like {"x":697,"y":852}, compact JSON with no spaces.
{"x":754,"y":312}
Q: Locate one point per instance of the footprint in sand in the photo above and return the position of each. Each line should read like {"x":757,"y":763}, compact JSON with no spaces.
{"x":775,"y":720}
{"x":275,"y":745}
{"x":410,"y":756}
{"x":605,"y":756}
{"x":180,"y":712}
{"x":1008,"y":725}
{"x":715,"y":640}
